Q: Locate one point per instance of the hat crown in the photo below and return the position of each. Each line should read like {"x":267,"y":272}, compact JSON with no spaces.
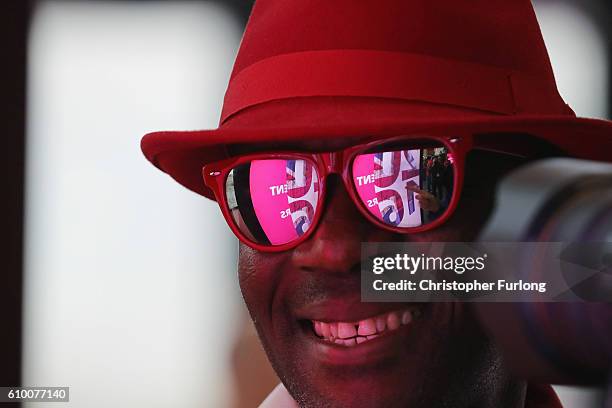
{"x":484,"y":55}
{"x":499,"y":33}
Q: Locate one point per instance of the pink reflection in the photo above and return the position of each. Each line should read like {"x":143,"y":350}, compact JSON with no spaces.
{"x":285,"y":195}
{"x":381,"y":179}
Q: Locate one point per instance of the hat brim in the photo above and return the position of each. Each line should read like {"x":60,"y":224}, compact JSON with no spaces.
{"x":182,"y":154}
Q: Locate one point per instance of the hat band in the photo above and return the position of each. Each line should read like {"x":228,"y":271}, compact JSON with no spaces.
{"x":383,"y":74}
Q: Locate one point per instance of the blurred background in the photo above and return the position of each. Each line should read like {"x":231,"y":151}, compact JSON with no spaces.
{"x":118,"y":282}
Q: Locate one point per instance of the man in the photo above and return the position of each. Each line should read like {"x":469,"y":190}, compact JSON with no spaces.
{"x":331,"y":110}
{"x":429,"y":174}
{"x":447,"y":179}
{"x":437,"y":177}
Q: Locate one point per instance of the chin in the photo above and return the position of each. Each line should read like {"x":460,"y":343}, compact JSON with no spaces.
{"x":375,"y":355}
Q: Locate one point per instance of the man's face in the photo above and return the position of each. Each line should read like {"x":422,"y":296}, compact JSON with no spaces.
{"x":440,"y":358}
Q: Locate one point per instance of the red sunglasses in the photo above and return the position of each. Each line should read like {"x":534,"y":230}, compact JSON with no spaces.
{"x":274,"y":201}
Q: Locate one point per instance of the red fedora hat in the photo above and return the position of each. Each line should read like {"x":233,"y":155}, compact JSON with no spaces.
{"x":320,"y":69}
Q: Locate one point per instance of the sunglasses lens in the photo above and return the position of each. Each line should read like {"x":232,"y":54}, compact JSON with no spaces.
{"x":405,"y":187}
{"x":273,"y":202}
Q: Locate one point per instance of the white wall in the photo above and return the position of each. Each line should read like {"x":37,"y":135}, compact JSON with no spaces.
{"x":130,"y":290}
{"x":578,"y":53}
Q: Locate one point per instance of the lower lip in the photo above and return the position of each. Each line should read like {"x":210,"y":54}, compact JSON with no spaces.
{"x":372,"y":351}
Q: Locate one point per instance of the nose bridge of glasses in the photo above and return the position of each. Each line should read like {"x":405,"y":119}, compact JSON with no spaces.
{"x":332,"y":162}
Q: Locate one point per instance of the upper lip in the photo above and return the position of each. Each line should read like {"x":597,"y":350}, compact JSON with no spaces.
{"x":344,"y":310}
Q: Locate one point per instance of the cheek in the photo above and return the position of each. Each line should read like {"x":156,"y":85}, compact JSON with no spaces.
{"x":258,"y":275}
{"x":469,"y":218}
{"x":464,"y":225}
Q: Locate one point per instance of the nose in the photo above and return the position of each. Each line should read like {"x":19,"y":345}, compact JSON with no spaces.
{"x":335,"y":245}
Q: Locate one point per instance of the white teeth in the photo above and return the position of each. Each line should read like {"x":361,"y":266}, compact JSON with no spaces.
{"x":406,"y":317}
{"x":393,"y":321}
{"x":350,"y":342}
{"x":317,"y":328}
{"x":325,"y":330}
{"x":367,"y":327}
{"x":333,"y":328}
{"x":381,"y":323}
{"x":352,"y":334}
{"x":346,"y":330}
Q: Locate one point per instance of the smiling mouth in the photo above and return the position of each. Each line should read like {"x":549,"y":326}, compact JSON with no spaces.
{"x":349,"y":334}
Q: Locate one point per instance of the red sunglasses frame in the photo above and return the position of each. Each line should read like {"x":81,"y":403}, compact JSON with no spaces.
{"x":336,"y":162}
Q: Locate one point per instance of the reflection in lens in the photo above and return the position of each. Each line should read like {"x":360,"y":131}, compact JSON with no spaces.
{"x":406,"y":187}
{"x":273,"y":202}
